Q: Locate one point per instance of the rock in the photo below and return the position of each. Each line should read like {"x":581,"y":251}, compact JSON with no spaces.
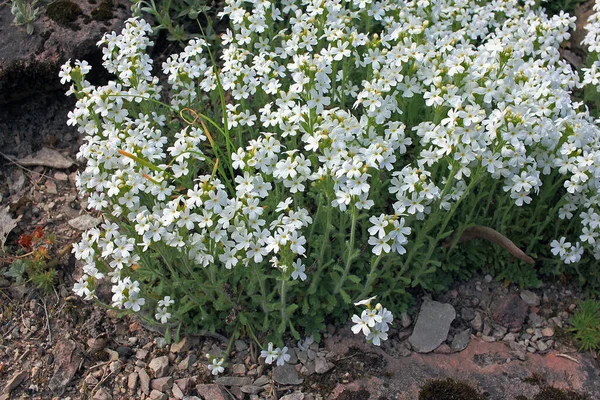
{"x":144,"y":381}
{"x":132,"y":381}
{"x":405,"y":320}
{"x":67,"y":358}
{"x":97,"y":344}
{"x":238,"y":369}
{"x":47,"y":158}
{"x":251,"y":389}
{"x":477,"y":322}
{"x":287,"y":375}
{"x":102,"y":394}
{"x":158,"y":395}
{"x":50,"y":187}
{"x":488,"y":278}
{"x":211,"y":391}
{"x":432,"y":326}
{"x":15,"y":381}
{"x":510,"y":311}
{"x":186,"y":362}
{"x":7,"y":224}
{"x":530,"y":298}
{"x":141,"y":354}
{"x":159,"y":366}
{"x":185,"y":384}
{"x":547,"y":332}
{"x":184,"y":345}
{"x":177,"y":393}
{"x":262,"y":380}
{"x":541,"y":346}
{"x":84,"y":222}
{"x":162,"y":384}
{"x":302,"y":356}
{"x":518,"y":350}
{"x":124,"y":351}
{"x":535,"y":320}
{"x":461,"y":341}
{"x":240,"y":345}
{"x":321,"y":365}
{"x":233,"y":381}
{"x":293,"y":396}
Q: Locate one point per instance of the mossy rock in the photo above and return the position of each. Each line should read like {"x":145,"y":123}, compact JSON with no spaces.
{"x":448,"y":389}
{"x":550,"y":393}
{"x":104,"y":12}
{"x":64,"y":13}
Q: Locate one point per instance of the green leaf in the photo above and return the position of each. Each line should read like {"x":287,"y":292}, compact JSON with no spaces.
{"x":354,"y":278}
{"x":290,"y":309}
{"x":168,"y":336}
{"x":345,"y":296}
{"x":338,"y":268}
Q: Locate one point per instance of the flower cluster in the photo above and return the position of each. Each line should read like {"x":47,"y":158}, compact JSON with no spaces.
{"x":373,"y":321}
{"x":280,"y":356}
{"x":341,"y":125}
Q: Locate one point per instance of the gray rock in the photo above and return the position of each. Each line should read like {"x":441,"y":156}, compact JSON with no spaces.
{"x":535,"y":320}
{"x":144,"y":381}
{"x":240,"y":345}
{"x":321,"y":365}
{"x":184,"y":345}
{"x":162,"y":384}
{"x":67,"y":358}
{"x":158,"y":395}
{"x":132,"y":381}
{"x":287,"y":375}
{"x":432,"y":326}
{"x":488,"y":278}
{"x":461,"y":341}
{"x":477,"y":322}
{"x":262,"y":380}
{"x":84,"y":222}
{"x":293,"y":396}
{"x":467,"y":314}
{"x":187,"y":362}
{"x":530,"y":298}
{"x":251,"y":389}
{"x":405,"y":320}
{"x":177,"y":393}
{"x":160,"y":366}
{"x":233,"y":381}
{"x":102,"y":394}
{"x":15,"y":381}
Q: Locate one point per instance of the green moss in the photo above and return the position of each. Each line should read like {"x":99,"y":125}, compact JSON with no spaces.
{"x":104,"y":12}
{"x":550,"y":393}
{"x":64,"y":13}
{"x":448,"y":389}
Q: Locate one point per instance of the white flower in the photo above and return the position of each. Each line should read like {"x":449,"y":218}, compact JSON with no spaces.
{"x":216,"y":366}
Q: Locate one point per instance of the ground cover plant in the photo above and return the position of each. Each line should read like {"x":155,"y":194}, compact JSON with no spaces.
{"x":333,"y":151}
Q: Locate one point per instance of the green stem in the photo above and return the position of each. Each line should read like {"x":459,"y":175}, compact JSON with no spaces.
{"x":370,"y":278}
{"x":350,"y":255}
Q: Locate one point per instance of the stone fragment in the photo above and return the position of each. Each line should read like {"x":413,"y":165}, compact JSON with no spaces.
{"x":102,"y":394}
{"x":321,"y":365}
{"x":233,"y":381}
{"x":535,"y":320}
{"x":47,"y":158}
{"x":211,"y":391}
{"x":461,"y":341}
{"x":488,"y":278}
{"x":186,"y":362}
{"x":262,"y":380}
{"x":67,"y":358}
{"x":405,"y":320}
{"x":159,"y":366}
{"x":184,"y":345}
{"x":158,"y":395}
{"x":293,"y":396}
{"x":177,"y":393}
{"x":240,"y":345}
{"x":162,"y":384}
{"x":530,"y":298}
{"x":477,"y":322}
{"x":50,"y":187}
{"x":251,"y":389}
{"x":302,"y":356}
{"x":467,"y":314}
{"x":84,"y":222}
{"x":238,"y":369}
{"x":547,"y":332}
{"x":287,"y":375}
{"x":97,"y":344}
{"x":144,"y":381}
{"x":510,"y":311}
{"x":141,"y":354}
{"x":185,"y":384}
{"x":132,"y":381}
{"x":15,"y":381}
{"x":432,"y":326}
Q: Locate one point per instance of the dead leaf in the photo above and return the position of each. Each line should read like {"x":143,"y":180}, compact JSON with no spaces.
{"x":47,"y":158}
{"x":7,"y":224}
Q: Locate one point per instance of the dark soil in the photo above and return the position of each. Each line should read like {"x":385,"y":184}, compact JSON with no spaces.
{"x":65,"y":13}
{"x":448,"y":389}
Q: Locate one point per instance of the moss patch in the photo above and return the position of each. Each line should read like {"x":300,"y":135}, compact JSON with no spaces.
{"x":448,"y":389}
{"x":64,"y":13}
{"x":550,"y":393}
{"x":104,"y":12}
